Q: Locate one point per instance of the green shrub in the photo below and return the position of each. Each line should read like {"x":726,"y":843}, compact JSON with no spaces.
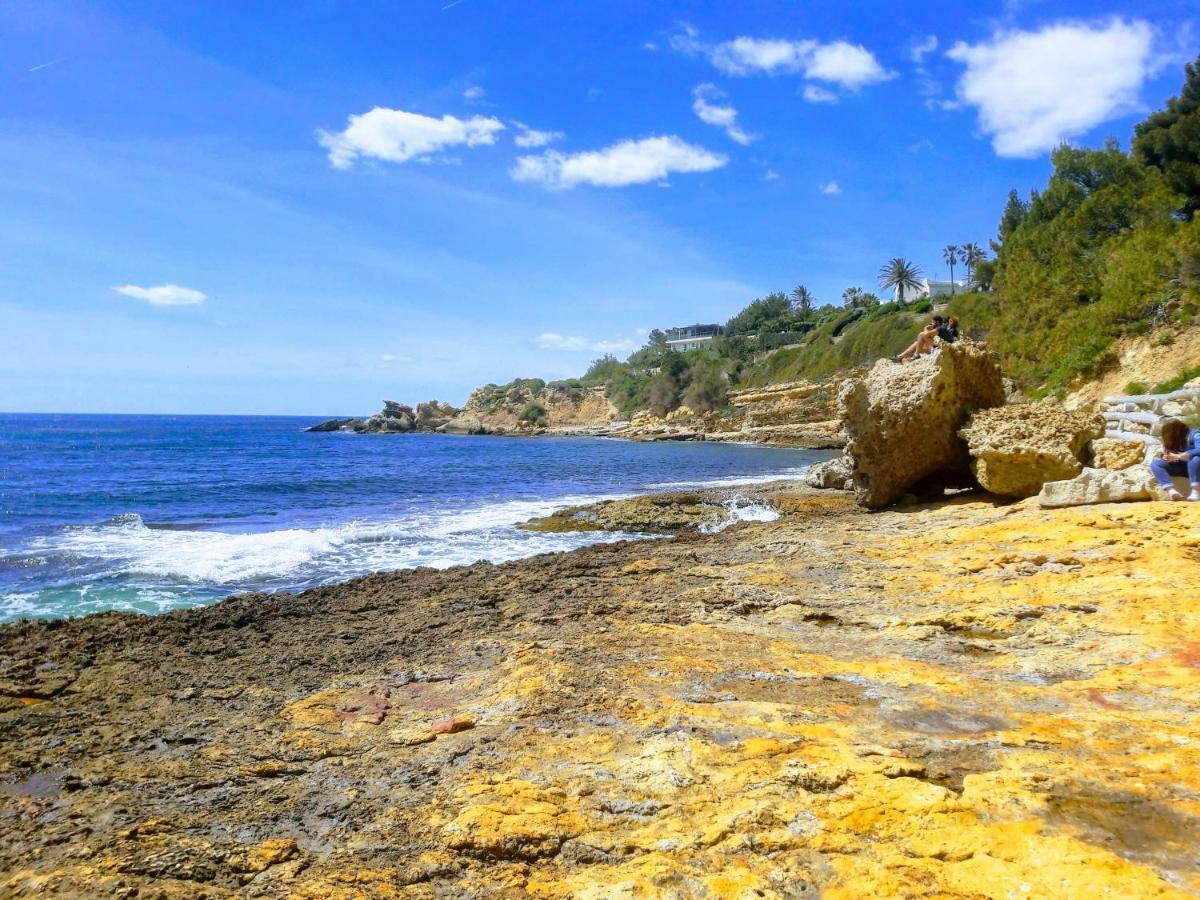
{"x":922,"y":306}
{"x":707,"y":390}
{"x":533,"y":414}
{"x":1136,"y":387}
{"x":1178,"y":381}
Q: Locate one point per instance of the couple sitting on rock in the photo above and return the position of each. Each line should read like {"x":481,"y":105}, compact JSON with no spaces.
{"x":1180,"y":455}
{"x":943,"y":330}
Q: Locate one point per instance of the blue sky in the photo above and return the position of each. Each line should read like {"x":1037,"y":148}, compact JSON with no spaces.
{"x":192,"y":221}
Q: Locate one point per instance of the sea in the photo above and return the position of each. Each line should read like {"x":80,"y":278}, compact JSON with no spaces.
{"x":154,"y":513}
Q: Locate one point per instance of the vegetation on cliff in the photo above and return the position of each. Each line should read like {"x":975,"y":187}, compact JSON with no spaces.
{"x":1109,"y":248}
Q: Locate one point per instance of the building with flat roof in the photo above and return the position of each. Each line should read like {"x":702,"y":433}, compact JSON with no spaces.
{"x":692,"y":337}
{"x":934,"y":290}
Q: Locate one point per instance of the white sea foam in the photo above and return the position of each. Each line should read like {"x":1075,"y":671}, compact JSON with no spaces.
{"x":741,"y":509}
{"x":792,"y":474}
{"x":125,"y":547}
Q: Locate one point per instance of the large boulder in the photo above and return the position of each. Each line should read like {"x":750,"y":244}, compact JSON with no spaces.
{"x":464,"y":424}
{"x":1016,"y":449}
{"x":396,"y":418}
{"x":1117,"y":454}
{"x":834,"y":474}
{"x":1101,"y":486}
{"x":903,"y":419}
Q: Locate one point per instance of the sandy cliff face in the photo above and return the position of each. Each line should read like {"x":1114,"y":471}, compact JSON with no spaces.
{"x":498,"y":409}
{"x":955,"y":701}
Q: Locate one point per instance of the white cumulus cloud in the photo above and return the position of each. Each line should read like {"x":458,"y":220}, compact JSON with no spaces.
{"x":832,"y":188}
{"x":552,"y":341}
{"x":838,"y":62}
{"x":1035,"y":89}
{"x":397,"y":136}
{"x":163,"y":294}
{"x":707,"y":106}
{"x":850,"y":65}
{"x":624,"y":163}
{"x":814,"y":93}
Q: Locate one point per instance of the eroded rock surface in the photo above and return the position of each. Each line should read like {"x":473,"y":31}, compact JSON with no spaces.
{"x":1117,"y":454}
{"x":1101,"y":486}
{"x":903,"y":419}
{"x":1016,"y":449}
{"x":835,"y":474}
{"x":966,"y":700}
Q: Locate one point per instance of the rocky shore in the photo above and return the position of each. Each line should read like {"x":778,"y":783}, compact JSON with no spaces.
{"x":795,"y":414}
{"x":966,"y":699}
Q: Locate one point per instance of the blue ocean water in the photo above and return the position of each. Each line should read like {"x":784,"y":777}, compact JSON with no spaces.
{"x":150,"y":513}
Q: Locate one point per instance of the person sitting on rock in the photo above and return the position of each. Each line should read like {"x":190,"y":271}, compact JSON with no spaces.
{"x":1180,"y":455}
{"x":924,"y":342}
{"x":948,"y":333}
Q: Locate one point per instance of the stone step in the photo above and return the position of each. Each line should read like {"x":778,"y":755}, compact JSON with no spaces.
{"x":1132,"y":436}
{"x":1142,"y":418}
{"x":1188,"y":393}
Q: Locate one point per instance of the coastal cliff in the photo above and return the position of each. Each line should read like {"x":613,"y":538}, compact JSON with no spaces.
{"x":965,"y":699}
{"x":797,"y":414}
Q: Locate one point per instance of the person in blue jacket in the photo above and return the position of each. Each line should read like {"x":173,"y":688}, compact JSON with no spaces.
{"x":1180,"y":455}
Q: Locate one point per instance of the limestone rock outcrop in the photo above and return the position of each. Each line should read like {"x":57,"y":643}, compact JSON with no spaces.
{"x":833,"y":474}
{"x":464,"y":424}
{"x":903,"y":419}
{"x":395,"y":418}
{"x":504,"y":409}
{"x":1117,"y":453}
{"x":1101,"y":486}
{"x":1016,"y":449}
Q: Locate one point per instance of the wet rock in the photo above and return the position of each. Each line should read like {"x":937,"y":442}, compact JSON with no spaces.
{"x":903,"y":419}
{"x":1016,"y":449}
{"x":348,"y":424}
{"x":651,"y":514}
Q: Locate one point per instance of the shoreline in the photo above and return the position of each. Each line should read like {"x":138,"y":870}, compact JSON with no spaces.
{"x":934,"y":697}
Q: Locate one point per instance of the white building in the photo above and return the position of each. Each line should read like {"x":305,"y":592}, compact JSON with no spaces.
{"x":934,"y":290}
{"x":692,"y":337}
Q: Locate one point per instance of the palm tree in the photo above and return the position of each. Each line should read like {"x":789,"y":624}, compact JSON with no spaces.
{"x":802,"y":301}
{"x":972,"y":255}
{"x":900,"y":274}
{"x":950,"y":258}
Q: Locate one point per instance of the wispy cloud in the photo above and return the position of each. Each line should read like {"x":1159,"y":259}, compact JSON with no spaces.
{"x":474,"y":93}
{"x":831,"y":188}
{"x":706,"y":104}
{"x":46,"y":65}
{"x":814,"y":93}
{"x":552,"y":341}
{"x":847,"y":65}
{"x":922,"y":48}
{"x":163,"y":294}
{"x":394,"y":135}
{"x":1035,"y":89}
{"x":624,"y":163}
{"x":529,"y":138}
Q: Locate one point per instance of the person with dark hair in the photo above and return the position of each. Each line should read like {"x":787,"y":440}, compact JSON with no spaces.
{"x":924,"y":341}
{"x":1180,"y":455}
{"x":948,"y":333}
{"x":943,"y":330}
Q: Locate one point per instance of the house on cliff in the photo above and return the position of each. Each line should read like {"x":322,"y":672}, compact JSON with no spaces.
{"x":692,"y":337}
